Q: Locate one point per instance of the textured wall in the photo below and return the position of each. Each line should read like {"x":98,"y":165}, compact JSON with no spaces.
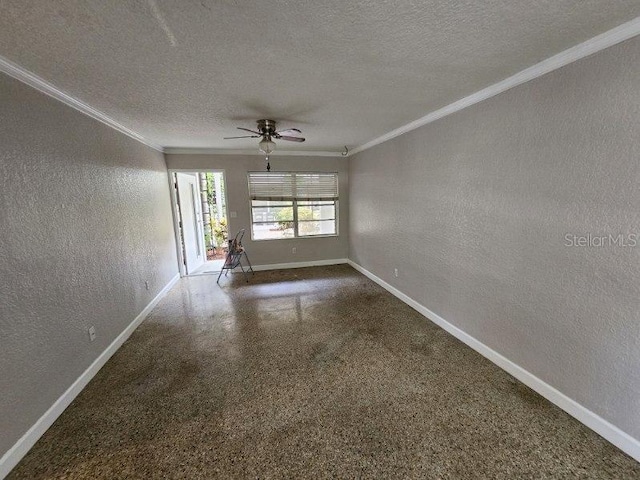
{"x":86,"y":220}
{"x":267,"y":252}
{"x":473,"y":210}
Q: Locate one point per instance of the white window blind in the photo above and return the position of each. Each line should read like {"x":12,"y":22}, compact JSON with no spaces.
{"x":271,"y":186}
{"x":293,"y":185}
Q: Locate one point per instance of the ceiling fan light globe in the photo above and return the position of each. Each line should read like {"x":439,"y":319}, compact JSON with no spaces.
{"x":267,"y":146}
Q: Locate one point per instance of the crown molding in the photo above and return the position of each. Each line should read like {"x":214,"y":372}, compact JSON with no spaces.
{"x":593,"y":45}
{"x":229,"y":151}
{"x":600,"y":42}
{"x":19,"y":73}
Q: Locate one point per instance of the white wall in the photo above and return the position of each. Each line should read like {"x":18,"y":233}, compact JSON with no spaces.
{"x":473,"y":210}
{"x":269,"y":252}
{"x":86,"y":220}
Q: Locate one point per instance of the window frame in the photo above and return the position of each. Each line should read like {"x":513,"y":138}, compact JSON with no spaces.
{"x":294,"y":205}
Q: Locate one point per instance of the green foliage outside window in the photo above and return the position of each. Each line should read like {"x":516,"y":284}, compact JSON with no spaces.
{"x":304,"y":213}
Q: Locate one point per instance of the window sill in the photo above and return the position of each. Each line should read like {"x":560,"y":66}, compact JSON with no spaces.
{"x":293,"y":238}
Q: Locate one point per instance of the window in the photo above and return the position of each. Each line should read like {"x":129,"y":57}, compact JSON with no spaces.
{"x":293,"y":205}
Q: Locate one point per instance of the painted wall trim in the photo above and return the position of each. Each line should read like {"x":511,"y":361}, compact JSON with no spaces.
{"x":22,"y":74}
{"x":10,"y":459}
{"x":230,"y":151}
{"x":610,"y":432}
{"x":313,"y":263}
{"x":593,"y":45}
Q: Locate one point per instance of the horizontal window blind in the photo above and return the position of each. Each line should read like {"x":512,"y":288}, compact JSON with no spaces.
{"x":316,"y":186}
{"x":293,"y":185}
{"x":271,"y":186}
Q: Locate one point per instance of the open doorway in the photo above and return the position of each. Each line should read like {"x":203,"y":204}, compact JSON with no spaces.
{"x":200,"y":207}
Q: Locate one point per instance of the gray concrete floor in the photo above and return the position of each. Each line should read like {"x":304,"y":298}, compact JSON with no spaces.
{"x":308,"y":373}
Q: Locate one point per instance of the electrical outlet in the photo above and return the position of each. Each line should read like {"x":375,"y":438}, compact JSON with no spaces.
{"x":233,"y":214}
{"x":294,"y":250}
{"x":92,"y":333}
{"x":146,"y":284}
{"x":395,"y":272}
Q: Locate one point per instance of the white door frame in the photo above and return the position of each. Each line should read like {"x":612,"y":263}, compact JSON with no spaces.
{"x":174,"y":201}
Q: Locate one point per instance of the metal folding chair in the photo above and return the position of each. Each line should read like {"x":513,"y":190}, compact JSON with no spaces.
{"x":234,"y":257}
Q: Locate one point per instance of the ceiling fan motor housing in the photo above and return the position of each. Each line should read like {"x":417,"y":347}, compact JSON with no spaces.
{"x":267,"y":127}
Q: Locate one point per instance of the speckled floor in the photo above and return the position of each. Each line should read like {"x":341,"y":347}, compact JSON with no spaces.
{"x":308,"y":373}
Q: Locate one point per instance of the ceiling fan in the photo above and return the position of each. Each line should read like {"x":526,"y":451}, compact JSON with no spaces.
{"x":267,"y":131}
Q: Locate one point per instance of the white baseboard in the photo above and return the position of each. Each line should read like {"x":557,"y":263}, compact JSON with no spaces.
{"x":622,"y":440}
{"x":315,"y":263}
{"x":22,"y":446}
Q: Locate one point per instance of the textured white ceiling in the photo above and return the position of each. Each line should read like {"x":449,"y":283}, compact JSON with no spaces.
{"x":185,"y":73}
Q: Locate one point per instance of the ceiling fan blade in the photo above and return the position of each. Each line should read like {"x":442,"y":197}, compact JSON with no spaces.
{"x":248,"y":130}
{"x":243,"y":136}
{"x":288,"y":131}
{"x":290,"y":139}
